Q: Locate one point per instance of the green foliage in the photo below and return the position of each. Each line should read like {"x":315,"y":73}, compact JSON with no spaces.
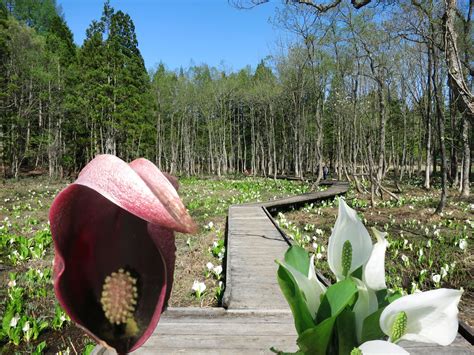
{"x":298,"y":258}
{"x":37,"y":14}
{"x":441,"y":241}
{"x":333,"y":330}
{"x":116,"y":89}
{"x":16,"y":249}
{"x":315,"y":333}
{"x":346,"y":332}
{"x":411,"y":263}
{"x":336,"y":298}
{"x":318,"y":104}
{"x":88,"y":349}
{"x":316,"y":340}
{"x":371,"y":326}
{"x":296,"y":299}
{"x":17,"y":324}
{"x":63,"y":94}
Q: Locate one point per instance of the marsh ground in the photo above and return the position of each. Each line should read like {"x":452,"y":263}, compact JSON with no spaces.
{"x":425,"y":250}
{"x":26,"y":255}
{"x":422,"y":246}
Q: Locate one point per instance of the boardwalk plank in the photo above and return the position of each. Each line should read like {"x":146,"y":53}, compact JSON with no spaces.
{"x":216,"y":331}
{"x":251,"y":266}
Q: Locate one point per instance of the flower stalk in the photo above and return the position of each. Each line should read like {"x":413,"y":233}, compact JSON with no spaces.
{"x":346,"y":257}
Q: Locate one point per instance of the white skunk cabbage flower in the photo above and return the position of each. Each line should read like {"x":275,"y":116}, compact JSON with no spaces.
{"x":366,"y":305}
{"x":350,"y":245}
{"x":374,"y":271}
{"x":378,"y":347}
{"x":428,"y":317}
{"x":309,"y":285}
{"x":317,"y":285}
{"x":198,"y":287}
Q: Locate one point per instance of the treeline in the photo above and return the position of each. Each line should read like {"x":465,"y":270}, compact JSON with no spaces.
{"x":363,"y":93}
{"x":62,"y":105}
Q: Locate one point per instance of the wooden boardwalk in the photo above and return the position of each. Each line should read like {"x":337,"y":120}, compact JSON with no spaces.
{"x":283,"y":204}
{"x":256,"y":316}
{"x":253,"y":244}
{"x":220,"y":331}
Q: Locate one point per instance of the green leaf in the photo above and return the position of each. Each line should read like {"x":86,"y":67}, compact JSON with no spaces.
{"x":358,"y":272}
{"x":346,"y":331}
{"x":382,"y":297}
{"x":371,"y":327}
{"x":310,"y":289}
{"x":9,"y":314}
{"x":88,"y":349}
{"x":393,"y":296}
{"x":298,"y":258}
{"x":336,"y":298}
{"x":39,"y":348}
{"x":316,"y":340}
{"x":324,"y":310}
{"x":296,"y":300}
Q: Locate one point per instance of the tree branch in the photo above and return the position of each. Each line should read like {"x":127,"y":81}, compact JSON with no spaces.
{"x":357,"y":4}
{"x":319,"y":7}
{"x":461,"y":91}
{"x":360,"y":4}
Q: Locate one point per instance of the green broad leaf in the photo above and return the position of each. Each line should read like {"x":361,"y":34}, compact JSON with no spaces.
{"x":358,"y":272}
{"x":298,"y":258}
{"x":371,"y":327}
{"x":315,"y":341}
{"x":39,"y":348}
{"x":324,"y":310}
{"x":7,"y":317}
{"x":296,"y":300}
{"x":336,"y":298}
{"x":382,"y":297}
{"x":393,"y":296}
{"x":88,"y":349}
{"x":346,"y":331}
{"x":311,"y":289}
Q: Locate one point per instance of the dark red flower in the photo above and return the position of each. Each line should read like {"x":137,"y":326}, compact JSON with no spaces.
{"x":113,"y":232}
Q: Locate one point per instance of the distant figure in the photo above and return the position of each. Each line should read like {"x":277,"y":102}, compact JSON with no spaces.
{"x":325,"y":172}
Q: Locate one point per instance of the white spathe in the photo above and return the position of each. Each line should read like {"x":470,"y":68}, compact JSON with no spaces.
{"x":309,"y":284}
{"x":381,"y":347}
{"x":348,"y":227}
{"x":432,"y":316}
{"x":374,"y":271}
{"x":366,"y":305}
{"x":198,"y":287}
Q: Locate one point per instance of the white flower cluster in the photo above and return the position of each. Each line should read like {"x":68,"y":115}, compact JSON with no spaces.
{"x":428,"y":316}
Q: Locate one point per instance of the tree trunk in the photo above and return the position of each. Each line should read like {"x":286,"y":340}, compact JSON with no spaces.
{"x":466,"y":157}
{"x":441,"y":127}
{"x":464,"y":97}
{"x":428,"y":122}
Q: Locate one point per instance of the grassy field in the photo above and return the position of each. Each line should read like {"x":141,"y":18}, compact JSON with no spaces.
{"x":32,"y":321}
{"x":426,"y":251}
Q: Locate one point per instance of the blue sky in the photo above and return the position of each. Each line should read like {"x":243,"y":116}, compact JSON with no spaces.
{"x":184,"y":32}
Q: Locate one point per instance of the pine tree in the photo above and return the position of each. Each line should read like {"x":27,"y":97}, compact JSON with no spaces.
{"x":116,"y":87}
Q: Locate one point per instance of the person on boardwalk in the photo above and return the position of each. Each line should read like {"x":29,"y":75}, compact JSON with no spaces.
{"x":325,"y":172}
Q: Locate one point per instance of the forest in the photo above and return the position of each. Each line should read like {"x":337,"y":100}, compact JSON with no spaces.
{"x":365,"y":91}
